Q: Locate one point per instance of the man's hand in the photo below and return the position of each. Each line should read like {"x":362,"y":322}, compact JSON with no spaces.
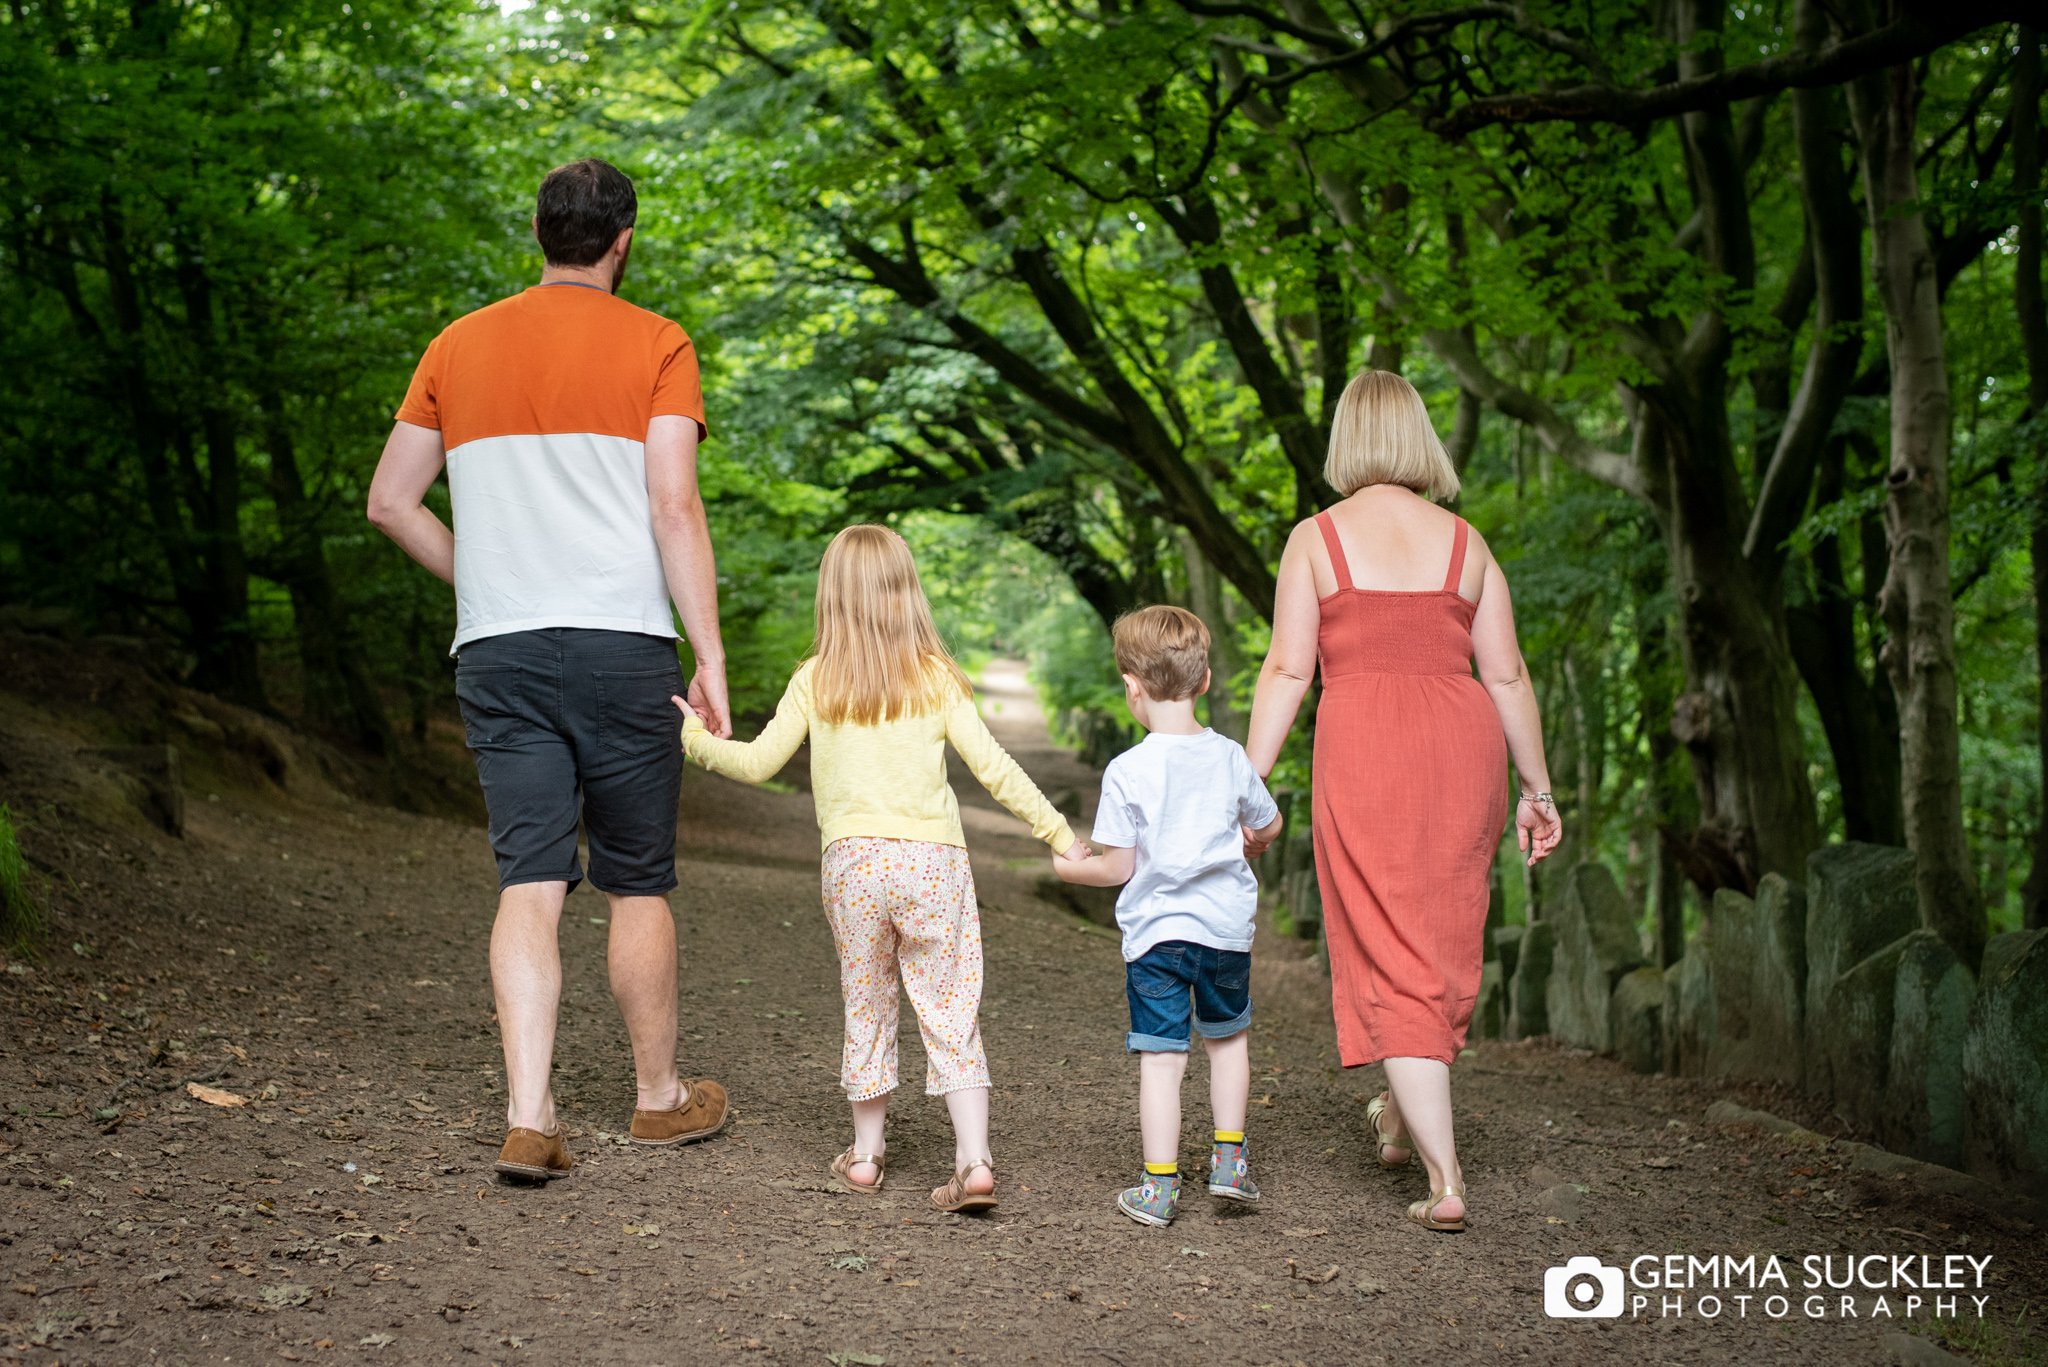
{"x":708,"y":701}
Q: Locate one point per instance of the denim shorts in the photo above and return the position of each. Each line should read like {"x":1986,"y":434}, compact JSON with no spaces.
{"x":569,"y":723}
{"x":1177,"y":983}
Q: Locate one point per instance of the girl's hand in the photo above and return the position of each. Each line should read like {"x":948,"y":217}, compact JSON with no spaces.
{"x":1077,"y":853}
{"x":1537,"y":828}
{"x":684,"y":707}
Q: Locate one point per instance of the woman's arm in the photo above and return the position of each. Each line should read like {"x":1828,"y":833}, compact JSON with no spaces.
{"x":1506,"y":677}
{"x":1291,"y":659}
{"x":1005,"y":780}
{"x":757,"y":760}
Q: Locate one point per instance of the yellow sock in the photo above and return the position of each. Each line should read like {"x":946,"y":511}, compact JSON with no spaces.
{"x":1230,"y":1136}
{"x":1162,"y":1169}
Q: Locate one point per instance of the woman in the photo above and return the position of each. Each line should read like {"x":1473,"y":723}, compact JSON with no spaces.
{"x":1396,"y":599}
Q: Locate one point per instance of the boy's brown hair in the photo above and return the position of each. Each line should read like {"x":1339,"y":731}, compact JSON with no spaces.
{"x":1164,"y":648}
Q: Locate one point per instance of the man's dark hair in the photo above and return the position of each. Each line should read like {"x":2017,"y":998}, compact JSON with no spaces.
{"x":583,"y":208}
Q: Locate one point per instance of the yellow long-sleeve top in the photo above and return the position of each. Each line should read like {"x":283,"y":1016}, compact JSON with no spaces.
{"x":886,"y":778}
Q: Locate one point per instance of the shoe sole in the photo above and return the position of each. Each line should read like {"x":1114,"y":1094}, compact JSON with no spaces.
{"x":695,"y":1136}
{"x":973,"y":1205}
{"x":1233,"y":1194}
{"x":528,"y":1173}
{"x":1141,"y":1216}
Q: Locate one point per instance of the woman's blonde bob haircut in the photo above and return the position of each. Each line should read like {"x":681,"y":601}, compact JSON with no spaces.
{"x":1381,"y":434}
{"x":878,"y":655}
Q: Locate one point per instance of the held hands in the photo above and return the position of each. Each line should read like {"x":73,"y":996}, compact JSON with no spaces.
{"x":707,"y":702}
{"x":1078,"y":854}
{"x":1537,"y":827}
{"x":1259,"y":839}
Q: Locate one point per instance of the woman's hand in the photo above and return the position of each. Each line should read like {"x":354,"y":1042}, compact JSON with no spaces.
{"x":1537,"y":828}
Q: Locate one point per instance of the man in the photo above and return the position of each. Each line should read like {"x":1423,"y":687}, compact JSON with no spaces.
{"x":568,"y":421}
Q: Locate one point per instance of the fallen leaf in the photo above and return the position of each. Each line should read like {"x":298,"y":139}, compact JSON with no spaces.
{"x":847,"y":1357}
{"x":1193,"y":1253}
{"x":1304,"y":1233}
{"x":644,"y":1231}
{"x":1324,"y":1277}
{"x":279,"y":1297}
{"x":214,"y":1096}
{"x":377,"y":1340}
{"x":1661,"y":1160}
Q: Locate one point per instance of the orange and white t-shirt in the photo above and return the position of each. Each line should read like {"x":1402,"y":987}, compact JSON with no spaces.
{"x":542,"y":401}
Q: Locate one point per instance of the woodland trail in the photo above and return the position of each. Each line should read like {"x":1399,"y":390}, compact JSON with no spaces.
{"x":327,"y":959}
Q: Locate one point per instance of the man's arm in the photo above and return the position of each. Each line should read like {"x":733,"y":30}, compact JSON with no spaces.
{"x":411,"y":462}
{"x":683,"y":535}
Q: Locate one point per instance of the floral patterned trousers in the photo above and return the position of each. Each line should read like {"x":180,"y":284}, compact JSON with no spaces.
{"x":905,"y":910}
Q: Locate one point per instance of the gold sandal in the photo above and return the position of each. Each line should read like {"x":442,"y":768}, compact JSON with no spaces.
{"x":955,"y":1199}
{"x":1384,"y":1139}
{"x":1424,"y":1212}
{"x":842,"y":1168}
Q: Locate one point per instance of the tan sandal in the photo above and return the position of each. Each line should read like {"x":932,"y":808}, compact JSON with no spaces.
{"x":842,"y":1172}
{"x":955,"y":1199}
{"x":1424,"y":1212}
{"x":1383,"y":1138}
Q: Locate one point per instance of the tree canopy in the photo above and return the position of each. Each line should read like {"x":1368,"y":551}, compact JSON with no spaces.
{"x":1730,"y":315}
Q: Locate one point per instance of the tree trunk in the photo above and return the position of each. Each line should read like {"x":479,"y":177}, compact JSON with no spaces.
{"x":1918,"y":600}
{"x":231,"y":666}
{"x":1740,"y":716}
{"x":1206,"y":601}
{"x":1857,"y":711}
{"x":339,"y":694}
{"x":2026,"y":172}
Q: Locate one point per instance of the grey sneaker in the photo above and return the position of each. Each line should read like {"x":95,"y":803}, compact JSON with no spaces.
{"x":1228,"y":1175}
{"x":1153,"y":1201}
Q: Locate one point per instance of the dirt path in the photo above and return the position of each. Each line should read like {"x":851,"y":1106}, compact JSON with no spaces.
{"x":327,"y":959}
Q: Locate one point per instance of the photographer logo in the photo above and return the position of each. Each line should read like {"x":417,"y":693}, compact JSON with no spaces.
{"x":1584,"y":1288}
{"x":1915,"y":1286}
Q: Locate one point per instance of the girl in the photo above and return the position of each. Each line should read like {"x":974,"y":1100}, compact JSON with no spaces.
{"x":879,"y":698}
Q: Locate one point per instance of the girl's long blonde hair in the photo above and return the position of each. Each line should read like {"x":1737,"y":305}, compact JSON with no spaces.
{"x":878,"y":655}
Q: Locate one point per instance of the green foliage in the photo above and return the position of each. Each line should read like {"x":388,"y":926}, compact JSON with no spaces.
{"x":21,"y":911}
{"x":968,"y":268}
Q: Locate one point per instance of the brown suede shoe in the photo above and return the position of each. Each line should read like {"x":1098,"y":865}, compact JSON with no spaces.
{"x":533,"y":1156}
{"x":704,"y":1114}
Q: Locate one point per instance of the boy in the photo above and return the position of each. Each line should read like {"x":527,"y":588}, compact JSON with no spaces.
{"x":1176,"y":815}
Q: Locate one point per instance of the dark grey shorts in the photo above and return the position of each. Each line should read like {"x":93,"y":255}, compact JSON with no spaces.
{"x":566,"y":717}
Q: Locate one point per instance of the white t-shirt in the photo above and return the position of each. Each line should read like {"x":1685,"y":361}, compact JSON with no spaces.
{"x":1182,"y":801}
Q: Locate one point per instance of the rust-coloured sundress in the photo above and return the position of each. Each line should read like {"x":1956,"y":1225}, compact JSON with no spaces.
{"x":1410,"y":801}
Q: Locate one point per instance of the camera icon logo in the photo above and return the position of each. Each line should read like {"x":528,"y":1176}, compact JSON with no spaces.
{"x":1583,"y":1289}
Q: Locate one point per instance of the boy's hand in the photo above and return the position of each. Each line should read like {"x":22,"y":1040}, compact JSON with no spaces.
{"x":1259,"y":839}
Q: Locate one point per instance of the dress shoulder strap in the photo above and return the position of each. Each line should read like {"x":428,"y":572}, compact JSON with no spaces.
{"x":1338,"y":564}
{"x":1457,"y":570}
